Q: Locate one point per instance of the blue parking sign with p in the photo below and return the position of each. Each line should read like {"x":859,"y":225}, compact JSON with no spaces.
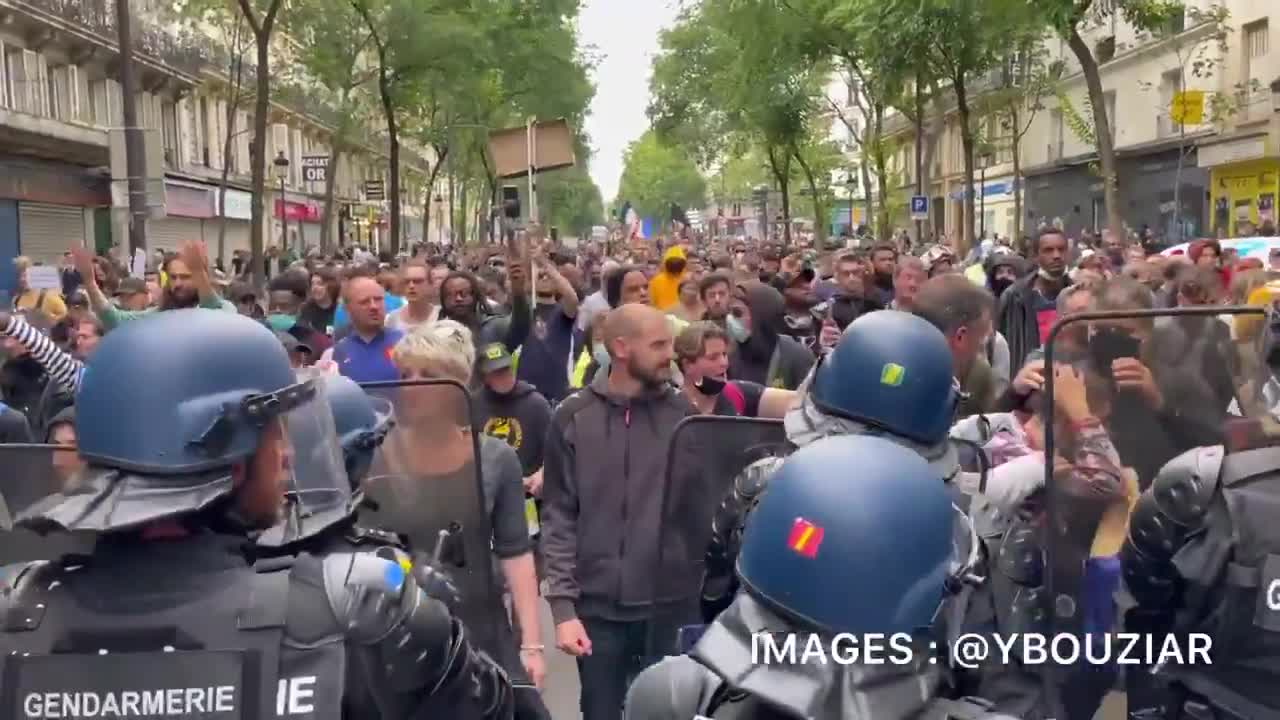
{"x":919,"y":207}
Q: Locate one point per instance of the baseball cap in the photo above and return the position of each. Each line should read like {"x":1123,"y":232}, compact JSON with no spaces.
{"x":494,"y":357}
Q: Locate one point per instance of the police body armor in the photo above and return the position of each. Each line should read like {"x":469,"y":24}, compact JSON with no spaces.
{"x":1203,"y":542}
{"x":187,"y":627}
{"x":720,"y":680}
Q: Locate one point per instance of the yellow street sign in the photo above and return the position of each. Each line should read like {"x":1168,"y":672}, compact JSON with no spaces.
{"x":1187,"y":107}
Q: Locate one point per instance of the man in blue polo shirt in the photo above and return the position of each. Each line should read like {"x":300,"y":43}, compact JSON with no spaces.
{"x":364,"y":355}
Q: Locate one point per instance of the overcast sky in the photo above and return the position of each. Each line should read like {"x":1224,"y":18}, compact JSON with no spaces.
{"x":624,"y":37}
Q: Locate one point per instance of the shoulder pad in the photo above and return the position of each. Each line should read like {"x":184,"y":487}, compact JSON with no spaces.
{"x":755,"y":477}
{"x":1186,"y":484}
{"x":358,"y":585}
{"x":22,"y":594}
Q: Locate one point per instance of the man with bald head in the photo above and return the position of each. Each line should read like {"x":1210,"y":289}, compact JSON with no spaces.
{"x":606,"y":455}
{"x":364,"y":355}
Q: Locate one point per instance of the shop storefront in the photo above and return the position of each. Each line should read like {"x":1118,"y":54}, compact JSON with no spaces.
{"x":1244,"y":178}
{"x":239,"y":211}
{"x":187,"y":206}
{"x":301,"y":219}
{"x":1148,"y":182}
{"x":992,"y":210}
{"x":45,"y":208}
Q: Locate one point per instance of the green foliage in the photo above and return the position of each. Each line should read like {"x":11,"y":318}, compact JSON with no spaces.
{"x":739,"y":175}
{"x":1079,"y":122}
{"x":656,"y":174}
{"x":573,"y":201}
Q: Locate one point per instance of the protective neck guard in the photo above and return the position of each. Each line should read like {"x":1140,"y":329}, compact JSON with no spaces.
{"x":813,"y":686}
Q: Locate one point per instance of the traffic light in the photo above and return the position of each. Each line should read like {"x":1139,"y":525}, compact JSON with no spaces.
{"x":511,"y":201}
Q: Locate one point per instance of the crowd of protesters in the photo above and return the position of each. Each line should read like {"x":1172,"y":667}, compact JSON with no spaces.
{"x":565,"y":349}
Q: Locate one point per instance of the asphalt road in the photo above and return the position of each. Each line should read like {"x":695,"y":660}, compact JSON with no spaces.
{"x":560,"y":692}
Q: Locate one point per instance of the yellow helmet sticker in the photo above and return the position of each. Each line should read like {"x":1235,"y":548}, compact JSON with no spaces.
{"x":892,"y":374}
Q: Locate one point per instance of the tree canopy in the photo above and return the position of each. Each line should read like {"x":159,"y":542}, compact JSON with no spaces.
{"x":656,"y":174}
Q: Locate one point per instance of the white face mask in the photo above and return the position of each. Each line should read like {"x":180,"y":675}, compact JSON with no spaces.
{"x":736,"y":330}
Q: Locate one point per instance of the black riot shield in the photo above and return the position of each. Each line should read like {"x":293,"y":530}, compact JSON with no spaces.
{"x":706,"y":454}
{"x":425,"y":484}
{"x":1123,"y":392}
{"x":33,"y":475}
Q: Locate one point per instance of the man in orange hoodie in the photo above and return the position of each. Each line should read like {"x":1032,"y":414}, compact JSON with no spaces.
{"x":664,"y":288}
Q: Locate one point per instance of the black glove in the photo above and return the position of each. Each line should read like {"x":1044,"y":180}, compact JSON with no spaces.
{"x":436,"y":582}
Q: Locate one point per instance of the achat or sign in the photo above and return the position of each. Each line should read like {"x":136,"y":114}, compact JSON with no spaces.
{"x":315,"y":168}
{"x":374,"y":190}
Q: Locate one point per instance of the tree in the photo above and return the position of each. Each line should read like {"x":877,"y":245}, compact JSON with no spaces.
{"x":1025,"y":81}
{"x":965,"y":39}
{"x":1067,"y":18}
{"x":655,"y":175}
{"x":237,"y":45}
{"x":572,"y":201}
{"x":716,"y":87}
{"x":333,"y":44}
{"x":260,"y":16}
{"x":262,"y":21}
{"x":877,"y":56}
{"x":416,"y":43}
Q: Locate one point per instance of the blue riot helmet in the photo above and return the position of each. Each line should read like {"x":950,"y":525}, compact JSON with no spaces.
{"x":168,"y":404}
{"x":361,"y":422}
{"x":855,"y":534}
{"x":892,"y":371}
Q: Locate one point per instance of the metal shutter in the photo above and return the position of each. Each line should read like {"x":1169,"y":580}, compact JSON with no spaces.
{"x":237,"y":238}
{"x":47,"y":231}
{"x":170,"y":232}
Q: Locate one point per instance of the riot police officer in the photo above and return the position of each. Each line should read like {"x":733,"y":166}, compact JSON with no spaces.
{"x":890,"y":375}
{"x":181,"y":419}
{"x":1202,"y":555}
{"x":807,"y":566}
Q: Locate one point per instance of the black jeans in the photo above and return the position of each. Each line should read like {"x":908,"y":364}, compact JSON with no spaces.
{"x":618,"y":654}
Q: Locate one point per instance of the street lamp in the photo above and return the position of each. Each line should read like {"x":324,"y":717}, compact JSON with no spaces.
{"x":281,"y":164}
{"x":984,"y":159}
{"x":439,"y":201}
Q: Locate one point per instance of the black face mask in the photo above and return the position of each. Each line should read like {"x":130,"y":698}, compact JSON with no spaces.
{"x":710,"y":386}
{"x":999,"y":285}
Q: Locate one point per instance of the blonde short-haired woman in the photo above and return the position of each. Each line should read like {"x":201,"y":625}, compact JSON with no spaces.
{"x":433,"y":442}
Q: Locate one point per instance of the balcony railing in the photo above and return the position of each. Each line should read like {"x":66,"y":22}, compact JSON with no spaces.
{"x":185,"y":52}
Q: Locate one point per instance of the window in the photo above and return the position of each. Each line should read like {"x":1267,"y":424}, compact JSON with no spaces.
{"x":1055,"y":134}
{"x":169,"y":123}
{"x":203,"y":122}
{"x":1255,"y":38}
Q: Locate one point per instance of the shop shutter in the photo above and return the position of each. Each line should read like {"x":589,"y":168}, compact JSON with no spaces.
{"x":169,"y":233}
{"x":237,"y":238}
{"x":46,"y":231}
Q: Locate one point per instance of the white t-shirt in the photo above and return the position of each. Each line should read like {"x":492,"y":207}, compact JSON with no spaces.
{"x":399,"y":318}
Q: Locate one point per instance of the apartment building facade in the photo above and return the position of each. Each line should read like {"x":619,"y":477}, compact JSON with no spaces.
{"x":1217,"y":176}
{"x":60,"y":98}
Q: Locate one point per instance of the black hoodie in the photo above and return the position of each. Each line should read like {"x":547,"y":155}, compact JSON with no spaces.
{"x":519,"y":418}
{"x":769,"y":357}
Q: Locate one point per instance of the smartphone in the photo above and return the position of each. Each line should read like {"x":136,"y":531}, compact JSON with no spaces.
{"x":1108,"y":345}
